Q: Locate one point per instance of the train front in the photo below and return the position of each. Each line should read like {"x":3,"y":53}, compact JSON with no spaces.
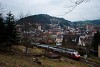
{"x":76,"y":55}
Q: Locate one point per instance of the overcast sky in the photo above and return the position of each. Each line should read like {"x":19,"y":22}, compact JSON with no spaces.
{"x":85,"y":11}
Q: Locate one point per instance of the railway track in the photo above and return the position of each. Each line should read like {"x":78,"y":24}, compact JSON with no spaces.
{"x":90,"y":63}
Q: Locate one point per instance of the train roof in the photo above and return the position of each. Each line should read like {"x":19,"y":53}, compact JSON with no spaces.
{"x":67,"y":49}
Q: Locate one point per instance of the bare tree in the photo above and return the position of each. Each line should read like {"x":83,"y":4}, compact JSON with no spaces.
{"x":26,"y":40}
{"x":75,"y":3}
{"x":1,"y":9}
{"x":22,"y":15}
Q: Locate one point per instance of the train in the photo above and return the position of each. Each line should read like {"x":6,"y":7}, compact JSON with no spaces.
{"x":71,"y":53}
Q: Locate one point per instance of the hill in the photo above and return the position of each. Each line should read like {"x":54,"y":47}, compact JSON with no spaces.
{"x":44,"y":20}
{"x":97,"y":22}
{"x":94,"y":22}
{"x":83,"y":23}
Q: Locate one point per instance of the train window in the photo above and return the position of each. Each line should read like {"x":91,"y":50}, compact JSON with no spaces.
{"x":73,"y":54}
{"x":69,"y":54}
{"x":77,"y":53}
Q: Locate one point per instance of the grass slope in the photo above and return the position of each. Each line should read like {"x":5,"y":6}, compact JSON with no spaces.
{"x":19,"y":60}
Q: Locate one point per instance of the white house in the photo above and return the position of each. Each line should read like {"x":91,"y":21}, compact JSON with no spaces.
{"x":81,"y":41}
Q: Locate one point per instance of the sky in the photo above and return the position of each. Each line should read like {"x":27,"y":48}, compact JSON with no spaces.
{"x":89,"y":10}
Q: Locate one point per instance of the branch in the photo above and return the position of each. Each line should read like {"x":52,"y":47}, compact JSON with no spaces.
{"x":1,"y":9}
{"x":76,"y":3}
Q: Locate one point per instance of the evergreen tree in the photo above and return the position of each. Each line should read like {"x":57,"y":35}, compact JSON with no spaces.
{"x":95,"y":42}
{"x":1,"y":29}
{"x":11,"y":33}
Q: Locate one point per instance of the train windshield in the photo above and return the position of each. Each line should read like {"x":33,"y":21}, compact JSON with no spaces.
{"x":76,"y":53}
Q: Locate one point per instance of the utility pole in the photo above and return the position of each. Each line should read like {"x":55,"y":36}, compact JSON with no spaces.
{"x":85,"y":55}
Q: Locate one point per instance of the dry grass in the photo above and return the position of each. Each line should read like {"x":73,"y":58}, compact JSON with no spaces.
{"x":64,"y":63}
{"x":94,"y":59}
{"x":16,"y":60}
